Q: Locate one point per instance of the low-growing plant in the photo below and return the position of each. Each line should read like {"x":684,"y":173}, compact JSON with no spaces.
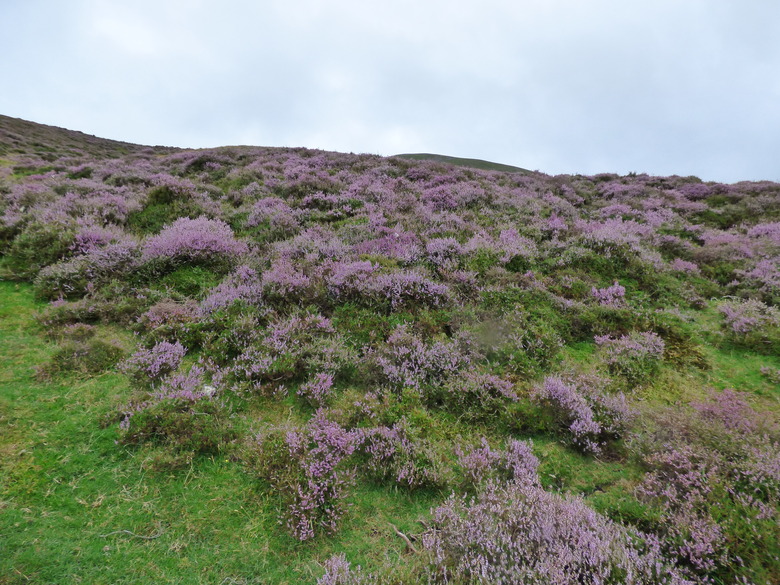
{"x":308,"y":468}
{"x":636,"y":356}
{"x":83,"y":354}
{"x":590,"y":415}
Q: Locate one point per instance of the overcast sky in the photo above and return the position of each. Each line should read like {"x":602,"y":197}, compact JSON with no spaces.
{"x":687,"y":87}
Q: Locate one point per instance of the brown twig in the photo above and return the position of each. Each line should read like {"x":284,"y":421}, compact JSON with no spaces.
{"x":402,"y":535}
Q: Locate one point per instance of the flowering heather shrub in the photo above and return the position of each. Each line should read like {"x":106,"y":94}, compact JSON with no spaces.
{"x":405,"y":289}
{"x":611,"y":296}
{"x":308,"y":468}
{"x":515,"y":463}
{"x":317,"y":389}
{"x":397,"y":244}
{"x":751,"y":323}
{"x":345,"y":280}
{"x":764,"y":277}
{"x":181,"y":414}
{"x":194,"y":240}
{"x":284,"y":281}
{"x":771,"y":374}
{"x":399,"y":454}
{"x":298,"y":347}
{"x":168,"y":314}
{"x":86,"y":272}
{"x":730,"y":409}
{"x":443,"y":252}
{"x":685,"y":267}
{"x":681,"y":481}
{"x":274,"y":213}
{"x":635,"y":356}
{"x":516,"y":532}
{"x":476,"y":395}
{"x":150,"y":366}
{"x":338,"y":571}
{"x":586,"y":411}
{"x":242,"y":285}
{"x":405,"y":360}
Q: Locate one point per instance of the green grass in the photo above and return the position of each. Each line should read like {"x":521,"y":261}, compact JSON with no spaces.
{"x":77,"y":507}
{"x":473,"y":163}
{"x":70,"y":497}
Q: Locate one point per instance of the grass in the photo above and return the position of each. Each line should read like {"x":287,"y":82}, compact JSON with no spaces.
{"x":76,"y":507}
{"x":473,"y":163}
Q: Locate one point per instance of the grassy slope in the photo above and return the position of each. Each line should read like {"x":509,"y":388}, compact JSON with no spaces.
{"x":68,"y":493}
{"x":66,"y":489}
{"x":465,"y":162}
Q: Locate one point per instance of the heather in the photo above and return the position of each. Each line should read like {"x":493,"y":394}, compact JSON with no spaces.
{"x":277,"y":365}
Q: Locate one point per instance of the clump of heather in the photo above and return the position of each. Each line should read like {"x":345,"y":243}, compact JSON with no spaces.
{"x":182,"y":414}
{"x":771,"y":374}
{"x":751,"y":323}
{"x":308,"y":468}
{"x":338,"y":571}
{"x":611,"y":296}
{"x":86,"y":272}
{"x":405,"y":360}
{"x":288,"y":349}
{"x":317,"y":389}
{"x":475,"y":395}
{"x":200,"y":240}
{"x":405,"y":290}
{"x":480,"y":464}
{"x":589,"y":414}
{"x":516,"y":532}
{"x":149,"y":366}
{"x":243,"y":284}
{"x":635,"y":356}
{"x":398,"y":453}
{"x":713,"y":479}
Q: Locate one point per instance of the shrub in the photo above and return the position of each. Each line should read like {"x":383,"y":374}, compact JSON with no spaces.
{"x":476,"y":395}
{"x":37,"y":246}
{"x":399,"y":454}
{"x":181,"y":415}
{"x":635,"y":356}
{"x":307,"y":467}
{"x":200,"y":240}
{"x":751,"y":324}
{"x":87,"y":356}
{"x":149,"y":366}
{"x":586,"y":411}
{"x":516,"y":532}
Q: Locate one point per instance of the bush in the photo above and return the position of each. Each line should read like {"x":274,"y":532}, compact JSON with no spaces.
{"x":181,"y":415}
{"x":201,"y":240}
{"x":307,"y":468}
{"x":518,"y":533}
{"x":636,"y":356}
{"x":88,"y":356}
{"x":38,"y":246}
{"x":590,"y":415}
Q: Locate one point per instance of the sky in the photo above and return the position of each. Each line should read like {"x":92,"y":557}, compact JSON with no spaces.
{"x":665,"y":87}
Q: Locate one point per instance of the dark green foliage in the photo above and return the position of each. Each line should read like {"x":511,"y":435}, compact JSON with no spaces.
{"x":199,"y":428}
{"x":83,"y":356}
{"x":38,"y":245}
{"x":163,"y":206}
{"x":190,"y":281}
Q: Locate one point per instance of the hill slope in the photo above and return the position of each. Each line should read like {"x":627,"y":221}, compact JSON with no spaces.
{"x":236,"y":365}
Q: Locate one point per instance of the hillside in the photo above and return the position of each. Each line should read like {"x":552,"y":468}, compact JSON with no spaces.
{"x":277,"y":365}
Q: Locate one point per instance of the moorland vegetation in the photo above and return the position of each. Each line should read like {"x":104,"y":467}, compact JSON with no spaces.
{"x":278,"y":365}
